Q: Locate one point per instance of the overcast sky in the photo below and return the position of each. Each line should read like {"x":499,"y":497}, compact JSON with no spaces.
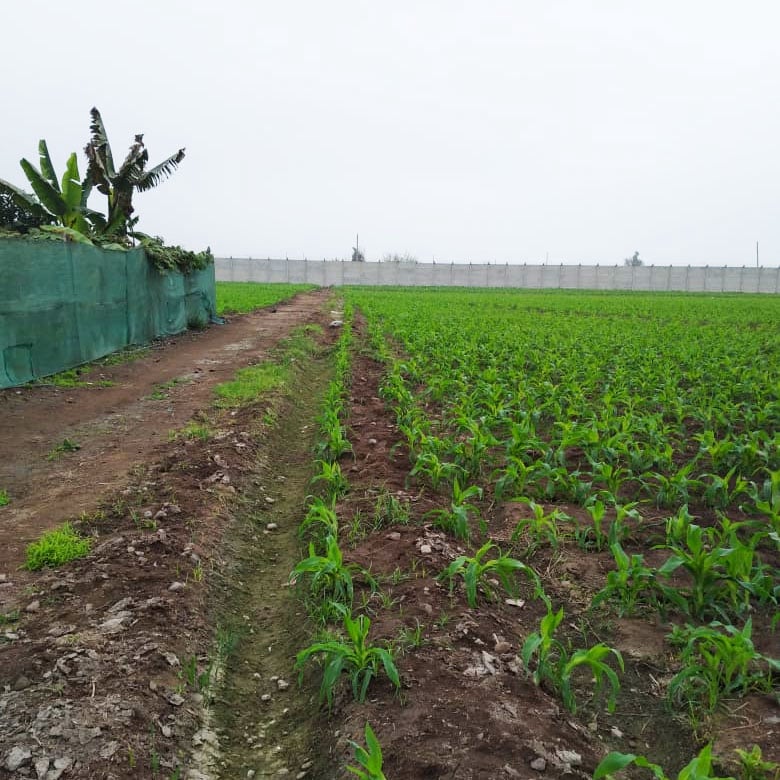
{"x":487,"y":131}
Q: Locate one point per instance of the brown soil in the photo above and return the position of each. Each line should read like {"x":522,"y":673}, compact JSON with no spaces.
{"x":117,"y":427}
{"x":106,"y":664}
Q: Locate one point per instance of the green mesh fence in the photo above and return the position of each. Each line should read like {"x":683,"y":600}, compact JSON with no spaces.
{"x":63,"y":304}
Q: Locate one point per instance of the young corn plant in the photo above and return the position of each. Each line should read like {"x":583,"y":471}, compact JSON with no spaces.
{"x":718,"y":661}
{"x":555,"y":666}
{"x":331,"y":476}
{"x":354,"y":656}
{"x":630,"y":585}
{"x":320,"y":520}
{"x":475,"y":571}
{"x":369,"y":758}
{"x":540,"y":528}
{"x":330,"y":579}
{"x":437,"y":471}
{"x":754,"y":767}
{"x":701,"y":555}
{"x":700,"y":768}
{"x":456,"y":518}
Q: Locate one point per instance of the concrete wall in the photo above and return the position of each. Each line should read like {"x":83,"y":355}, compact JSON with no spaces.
{"x":583,"y":277}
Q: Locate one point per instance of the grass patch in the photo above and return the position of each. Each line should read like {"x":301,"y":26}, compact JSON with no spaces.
{"x":250,"y":383}
{"x":74,"y":377}
{"x":66,"y":445}
{"x":253,"y":381}
{"x":56,"y":547}
{"x":9,"y":617}
{"x":192,"y":430}
{"x":160,"y":392}
{"x":5,"y":499}
{"x":240,"y":297}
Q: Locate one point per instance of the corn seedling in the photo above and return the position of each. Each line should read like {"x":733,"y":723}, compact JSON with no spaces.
{"x":475,"y":573}
{"x":331,"y":580}
{"x":555,"y":666}
{"x":369,"y":758}
{"x":354,"y":656}
{"x":320,"y":520}
{"x":456,"y":518}
{"x":4,"y":498}
{"x":700,"y":554}
{"x":540,"y":528}
{"x":700,"y":768}
{"x":754,"y":767}
{"x":718,"y":661}
{"x":335,"y":482}
{"x":631,"y":584}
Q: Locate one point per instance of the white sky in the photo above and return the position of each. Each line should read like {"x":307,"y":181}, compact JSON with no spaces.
{"x":484,"y":131}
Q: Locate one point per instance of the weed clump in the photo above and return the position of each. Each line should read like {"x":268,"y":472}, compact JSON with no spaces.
{"x":56,"y":547}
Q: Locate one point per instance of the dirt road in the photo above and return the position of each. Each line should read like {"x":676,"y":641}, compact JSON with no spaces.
{"x":117,"y":427}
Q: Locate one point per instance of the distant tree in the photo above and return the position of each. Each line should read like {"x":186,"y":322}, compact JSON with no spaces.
{"x":358,"y":256}
{"x":633,"y":260}
{"x":397,"y":258}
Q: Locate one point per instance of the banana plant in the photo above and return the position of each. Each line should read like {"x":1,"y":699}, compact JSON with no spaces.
{"x":119,"y":184}
{"x":63,"y":202}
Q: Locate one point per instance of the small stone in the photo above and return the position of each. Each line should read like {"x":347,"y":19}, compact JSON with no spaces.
{"x":510,"y":771}
{"x":307,"y":765}
{"x":282,"y":685}
{"x":425,"y":549}
{"x":428,"y":609}
{"x":372,"y":441}
{"x":515,"y":603}
{"x":570,"y":757}
{"x":271,"y":527}
{"x":616,"y":732}
{"x":393,"y":536}
{"x":21,"y":683}
{"x":61,"y":765}
{"x":109,"y":749}
{"x":269,"y":500}
{"x":175,"y":586}
{"x":18,"y":757}
{"x":174,"y":509}
{"x":166,"y":731}
{"x":42,"y":767}
{"x":539,"y":764}
{"x":265,"y":697}
{"x":148,"y":514}
{"x":33,"y":606}
{"x":176,"y":699}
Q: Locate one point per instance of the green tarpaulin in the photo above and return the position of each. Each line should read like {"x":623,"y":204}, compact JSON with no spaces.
{"x":63,"y":304}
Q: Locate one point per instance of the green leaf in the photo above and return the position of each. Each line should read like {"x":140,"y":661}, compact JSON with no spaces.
{"x":47,"y":195}
{"x":71,"y":185}
{"x":611,"y":763}
{"x":47,"y":169}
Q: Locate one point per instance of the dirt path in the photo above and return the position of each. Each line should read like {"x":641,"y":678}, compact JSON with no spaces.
{"x":117,"y":427}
